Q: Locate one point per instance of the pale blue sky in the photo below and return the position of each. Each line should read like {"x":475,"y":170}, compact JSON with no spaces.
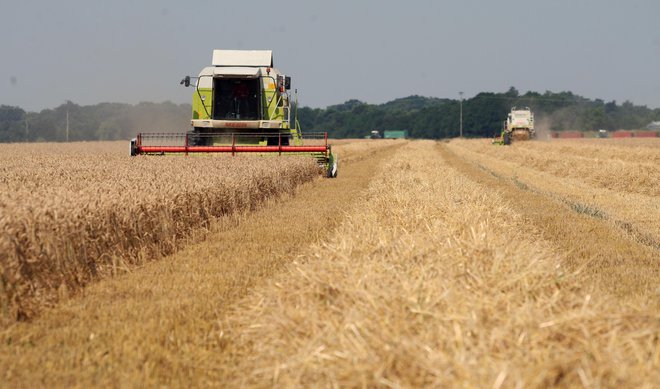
{"x":131,"y":51}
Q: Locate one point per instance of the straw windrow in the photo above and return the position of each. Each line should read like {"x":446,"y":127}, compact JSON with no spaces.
{"x":435,"y":281}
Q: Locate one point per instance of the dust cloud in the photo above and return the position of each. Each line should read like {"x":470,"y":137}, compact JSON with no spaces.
{"x":542,"y":126}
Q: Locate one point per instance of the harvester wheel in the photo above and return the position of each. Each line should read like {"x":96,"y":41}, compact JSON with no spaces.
{"x":197,"y":138}
{"x":332,"y":170}
{"x":133,"y":147}
{"x":192,"y":138}
{"x":506,"y":139}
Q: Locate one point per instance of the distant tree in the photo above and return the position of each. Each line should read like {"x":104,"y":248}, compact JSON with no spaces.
{"x":422,"y":117}
{"x":108,"y":130}
{"x":92,"y":122}
{"x":12,"y":124}
{"x":512,"y":92}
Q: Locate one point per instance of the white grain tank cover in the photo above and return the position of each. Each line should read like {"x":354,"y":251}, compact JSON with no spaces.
{"x":259,"y":58}
{"x":220,"y":71}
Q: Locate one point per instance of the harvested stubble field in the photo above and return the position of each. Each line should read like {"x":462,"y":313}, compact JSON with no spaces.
{"x":424,"y":264}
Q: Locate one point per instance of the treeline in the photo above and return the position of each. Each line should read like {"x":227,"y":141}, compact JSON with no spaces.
{"x":422,"y":117}
{"x":425,"y":117}
{"x":105,"y":121}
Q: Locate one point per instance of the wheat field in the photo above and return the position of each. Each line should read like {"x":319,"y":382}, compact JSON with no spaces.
{"x":424,"y":264}
{"x":74,"y":213}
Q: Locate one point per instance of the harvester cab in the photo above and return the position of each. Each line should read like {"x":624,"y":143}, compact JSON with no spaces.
{"x":241,"y":104}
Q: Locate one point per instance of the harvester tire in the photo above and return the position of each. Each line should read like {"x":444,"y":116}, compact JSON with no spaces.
{"x":133,"y":147}
{"x":506,"y":139}
{"x":332,"y":170}
{"x":195,"y":139}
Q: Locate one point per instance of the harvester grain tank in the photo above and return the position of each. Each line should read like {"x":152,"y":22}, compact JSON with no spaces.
{"x":519,"y":125}
{"x":241,"y":104}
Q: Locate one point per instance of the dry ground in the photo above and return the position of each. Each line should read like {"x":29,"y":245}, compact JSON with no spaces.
{"x":442,"y":265}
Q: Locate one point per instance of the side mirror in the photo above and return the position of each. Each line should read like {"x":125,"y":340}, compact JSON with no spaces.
{"x":185,"y":82}
{"x":287,"y":82}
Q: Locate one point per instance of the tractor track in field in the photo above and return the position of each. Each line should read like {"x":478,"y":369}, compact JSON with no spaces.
{"x":160,"y":317}
{"x":582,"y":208}
{"x":613,"y":262}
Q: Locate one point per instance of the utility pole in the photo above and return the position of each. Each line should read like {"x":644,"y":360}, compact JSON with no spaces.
{"x":461,"y":120}
{"x":27,"y":129}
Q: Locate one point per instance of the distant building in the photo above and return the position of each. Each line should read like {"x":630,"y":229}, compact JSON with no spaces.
{"x":623,"y":134}
{"x":395,"y":134}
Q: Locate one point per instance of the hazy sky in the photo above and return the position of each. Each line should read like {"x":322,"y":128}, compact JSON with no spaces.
{"x":131,"y":51}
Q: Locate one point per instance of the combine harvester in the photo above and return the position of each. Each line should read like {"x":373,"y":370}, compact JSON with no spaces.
{"x":241,"y":104}
{"x":519,"y":125}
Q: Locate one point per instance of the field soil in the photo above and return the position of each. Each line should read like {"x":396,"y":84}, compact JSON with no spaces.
{"x":424,"y":264}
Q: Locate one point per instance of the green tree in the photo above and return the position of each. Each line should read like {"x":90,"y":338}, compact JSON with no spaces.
{"x":12,"y":124}
{"x":108,"y":130}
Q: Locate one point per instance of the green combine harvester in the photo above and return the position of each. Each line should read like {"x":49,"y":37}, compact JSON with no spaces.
{"x":241,"y":104}
{"x":519,"y":125}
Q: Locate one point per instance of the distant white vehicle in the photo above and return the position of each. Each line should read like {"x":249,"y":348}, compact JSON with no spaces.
{"x":519,"y":125}
{"x":653,"y":126}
